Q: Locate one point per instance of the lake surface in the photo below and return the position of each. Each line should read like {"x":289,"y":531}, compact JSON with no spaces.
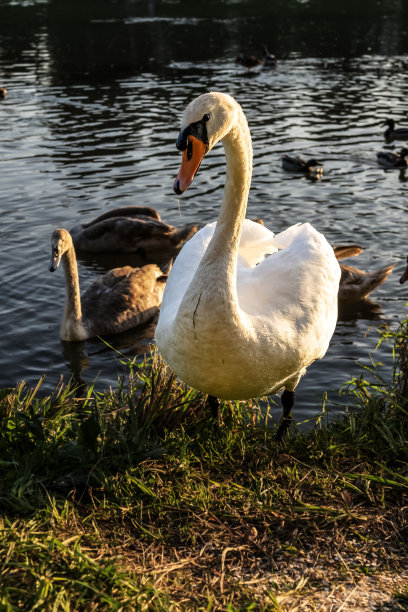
{"x":95,"y":96}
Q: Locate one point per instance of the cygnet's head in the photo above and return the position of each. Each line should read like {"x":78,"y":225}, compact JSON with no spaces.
{"x":206,"y":120}
{"x":61,"y":241}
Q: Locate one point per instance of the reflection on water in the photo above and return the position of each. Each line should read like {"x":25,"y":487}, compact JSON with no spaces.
{"x":363,"y":309}
{"x":95,"y":96}
{"x":76,"y":359}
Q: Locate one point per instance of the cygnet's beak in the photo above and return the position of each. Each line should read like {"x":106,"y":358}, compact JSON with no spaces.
{"x":191,"y":160}
{"x":54,"y":261}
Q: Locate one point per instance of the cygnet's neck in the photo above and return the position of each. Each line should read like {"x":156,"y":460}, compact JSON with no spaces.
{"x":72,"y":327}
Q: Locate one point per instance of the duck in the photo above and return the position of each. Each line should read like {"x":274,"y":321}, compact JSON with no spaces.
{"x":297,"y":164}
{"x":3,"y":92}
{"x":129,"y":229}
{"x":404,"y":276}
{"x":235,"y":323}
{"x":388,"y":159}
{"x":356,"y":284}
{"x":268,"y":59}
{"x":119,"y":300}
{"x":249,"y":61}
{"x":394,"y":134}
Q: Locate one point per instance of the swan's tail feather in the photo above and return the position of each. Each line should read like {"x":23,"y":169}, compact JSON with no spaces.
{"x":357,"y":285}
{"x":342,"y":251}
{"x":377,"y":277}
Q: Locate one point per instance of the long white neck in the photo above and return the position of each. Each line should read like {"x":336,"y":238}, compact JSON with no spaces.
{"x":221,"y":254}
{"x":72,"y":327}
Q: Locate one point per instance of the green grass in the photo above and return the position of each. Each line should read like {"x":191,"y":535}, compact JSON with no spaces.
{"x":135,"y":499}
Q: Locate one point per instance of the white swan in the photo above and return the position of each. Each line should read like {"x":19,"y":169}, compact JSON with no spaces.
{"x":234,"y":323}
{"x":117,"y":301}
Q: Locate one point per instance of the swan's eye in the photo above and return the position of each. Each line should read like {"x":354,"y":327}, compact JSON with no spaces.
{"x":189,"y":150}
{"x":206,"y":117}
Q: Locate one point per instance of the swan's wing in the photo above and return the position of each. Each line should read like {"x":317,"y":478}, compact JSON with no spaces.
{"x":119,"y":234}
{"x":122,"y":298}
{"x":342,"y":251}
{"x":127,"y":211}
{"x":256,"y":243}
{"x":301,"y":275}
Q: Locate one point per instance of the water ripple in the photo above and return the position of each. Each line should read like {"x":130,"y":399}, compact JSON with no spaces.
{"x":72,"y":152}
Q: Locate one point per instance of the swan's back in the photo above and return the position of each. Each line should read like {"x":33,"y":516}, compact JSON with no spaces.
{"x":123,"y":298}
{"x":293,"y":293}
{"x":128,"y":230}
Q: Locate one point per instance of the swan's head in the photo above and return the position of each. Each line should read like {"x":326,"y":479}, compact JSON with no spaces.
{"x":206,"y":120}
{"x":61,"y":242}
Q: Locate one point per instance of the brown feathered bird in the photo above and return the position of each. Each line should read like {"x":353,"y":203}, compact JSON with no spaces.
{"x":356,"y":284}
{"x":129,"y":229}
{"x":249,"y":61}
{"x":119,"y":300}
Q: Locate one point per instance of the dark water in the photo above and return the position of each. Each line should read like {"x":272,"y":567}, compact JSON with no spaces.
{"x":95,"y":94}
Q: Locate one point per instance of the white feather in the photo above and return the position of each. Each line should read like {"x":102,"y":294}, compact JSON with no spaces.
{"x":244,"y":311}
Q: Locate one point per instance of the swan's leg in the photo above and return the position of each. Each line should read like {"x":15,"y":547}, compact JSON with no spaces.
{"x":287,"y":399}
{"x":214,"y":405}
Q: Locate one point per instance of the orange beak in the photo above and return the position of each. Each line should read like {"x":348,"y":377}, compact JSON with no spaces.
{"x":191,"y":160}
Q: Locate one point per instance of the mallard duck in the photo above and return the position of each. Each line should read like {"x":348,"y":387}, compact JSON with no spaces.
{"x":388,"y":159}
{"x":249,"y":61}
{"x":297,"y":164}
{"x":356,"y":284}
{"x":119,"y":300}
{"x":234,"y":323}
{"x":394,"y":134}
{"x":404,"y":277}
{"x":268,"y":59}
{"x":130,"y":229}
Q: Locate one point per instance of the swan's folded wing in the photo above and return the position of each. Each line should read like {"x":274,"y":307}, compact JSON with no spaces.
{"x":284,"y":239}
{"x":122,"y":298}
{"x":297,"y":277}
{"x":256,"y":243}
